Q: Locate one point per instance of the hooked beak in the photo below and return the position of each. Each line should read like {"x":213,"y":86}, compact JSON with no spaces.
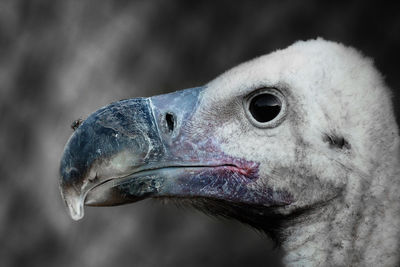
{"x":148,"y":147}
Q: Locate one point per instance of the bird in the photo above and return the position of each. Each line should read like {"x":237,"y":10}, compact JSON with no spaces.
{"x":301,"y":144}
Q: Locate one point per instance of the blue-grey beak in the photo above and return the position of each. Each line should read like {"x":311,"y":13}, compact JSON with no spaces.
{"x":149,"y":147}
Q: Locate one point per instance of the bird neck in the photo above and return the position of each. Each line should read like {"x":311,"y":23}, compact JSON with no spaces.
{"x":359,"y":228}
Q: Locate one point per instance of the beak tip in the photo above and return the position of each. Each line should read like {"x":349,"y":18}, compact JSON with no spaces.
{"x":75,"y":206}
{"x":76,"y":215}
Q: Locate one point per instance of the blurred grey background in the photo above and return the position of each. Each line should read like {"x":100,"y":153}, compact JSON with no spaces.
{"x":61,"y":60}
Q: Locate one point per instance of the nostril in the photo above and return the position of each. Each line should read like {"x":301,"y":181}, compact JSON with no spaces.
{"x":170,"y":119}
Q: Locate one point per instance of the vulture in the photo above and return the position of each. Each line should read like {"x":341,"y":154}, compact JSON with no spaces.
{"x":301,"y":144}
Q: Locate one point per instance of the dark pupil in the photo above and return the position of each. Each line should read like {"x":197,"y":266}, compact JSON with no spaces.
{"x":265,"y":107}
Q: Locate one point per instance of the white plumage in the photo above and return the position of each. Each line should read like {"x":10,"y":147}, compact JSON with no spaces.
{"x":332,"y":90}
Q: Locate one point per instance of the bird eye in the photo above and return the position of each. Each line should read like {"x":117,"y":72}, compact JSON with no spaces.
{"x":265,"y":107}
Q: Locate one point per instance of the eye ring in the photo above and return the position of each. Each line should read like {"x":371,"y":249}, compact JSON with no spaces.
{"x":275,"y":116}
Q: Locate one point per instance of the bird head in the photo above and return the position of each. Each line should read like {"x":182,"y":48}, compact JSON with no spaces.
{"x":271,"y":138}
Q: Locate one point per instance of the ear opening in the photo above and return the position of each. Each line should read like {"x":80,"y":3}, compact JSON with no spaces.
{"x":336,"y":141}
